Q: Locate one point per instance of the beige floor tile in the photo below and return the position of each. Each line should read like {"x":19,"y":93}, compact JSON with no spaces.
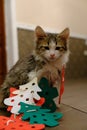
{"x":72,"y":120}
{"x":75,"y":94}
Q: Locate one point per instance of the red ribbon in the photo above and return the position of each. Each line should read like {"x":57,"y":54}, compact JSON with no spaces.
{"x":62,"y":84}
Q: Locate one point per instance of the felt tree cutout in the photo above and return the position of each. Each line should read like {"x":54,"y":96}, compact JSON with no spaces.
{"x":49,"y":93}
{"x":37,"y":102}
{"x":37,"y":115}
{"x":11,"y":95}
{"x":27,"y":93}
{"x":11,"y":123}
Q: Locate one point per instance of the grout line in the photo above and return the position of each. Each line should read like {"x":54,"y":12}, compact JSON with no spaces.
{"x":67,"y":110}
{"x":75,"y":108}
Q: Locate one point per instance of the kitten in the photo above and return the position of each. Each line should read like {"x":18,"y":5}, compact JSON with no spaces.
{"x":50,"y":54}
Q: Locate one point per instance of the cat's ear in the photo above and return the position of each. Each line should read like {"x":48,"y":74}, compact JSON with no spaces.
{"x":65,"y":33}
{"x":39,"y":32}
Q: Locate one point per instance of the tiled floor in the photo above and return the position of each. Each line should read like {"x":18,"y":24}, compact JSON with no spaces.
{"x":73,"y":107}
{"x":72,"y":120}
{"x":76,"y":94}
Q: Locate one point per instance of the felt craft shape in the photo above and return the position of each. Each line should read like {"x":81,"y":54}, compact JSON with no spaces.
{"x":37,"y":102}
{"x":11,"y":123}
{"x":31,"y":86}
{"x":37,"y":115}
{"x":49,"y":93}
{"x":27,"y":93}
{"x":11,"y":95}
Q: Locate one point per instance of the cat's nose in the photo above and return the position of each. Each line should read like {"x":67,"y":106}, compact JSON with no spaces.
{"x":52,"y":55}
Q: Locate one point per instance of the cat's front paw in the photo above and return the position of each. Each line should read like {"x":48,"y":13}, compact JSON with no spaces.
{"x":54,"y":77}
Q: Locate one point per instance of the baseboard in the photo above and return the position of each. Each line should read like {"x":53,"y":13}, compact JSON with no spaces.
{"x":51,"y":30}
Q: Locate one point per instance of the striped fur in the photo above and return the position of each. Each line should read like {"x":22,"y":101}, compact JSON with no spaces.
{"x":50,"y":54}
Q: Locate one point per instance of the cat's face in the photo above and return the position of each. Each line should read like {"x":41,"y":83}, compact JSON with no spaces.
{"x":51,"y":46}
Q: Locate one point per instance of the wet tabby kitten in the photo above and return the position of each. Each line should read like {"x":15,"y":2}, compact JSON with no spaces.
{"x":50,"y":53}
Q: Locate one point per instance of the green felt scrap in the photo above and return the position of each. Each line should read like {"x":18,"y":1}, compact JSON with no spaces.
{"x":37,"y":115}
{"x":49,"y":93}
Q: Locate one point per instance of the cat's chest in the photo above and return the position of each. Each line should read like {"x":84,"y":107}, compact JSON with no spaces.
{"x":49,"y":68}
{"x":56,"y":65}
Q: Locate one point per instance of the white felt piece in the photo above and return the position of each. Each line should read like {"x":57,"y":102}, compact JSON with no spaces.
{"x":24,"y":95}
{"x":29,"y":85}
{"x":32,"y":85}
{"x":15,"y":101}
{"x":18,"y":91}
{"x":36,"y":96}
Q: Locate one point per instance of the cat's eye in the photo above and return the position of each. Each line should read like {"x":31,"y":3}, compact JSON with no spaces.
{"x":26,"y":88}
{"x":58,"y":48}
{"x":41,"y":38}
{"x":46,"y":47}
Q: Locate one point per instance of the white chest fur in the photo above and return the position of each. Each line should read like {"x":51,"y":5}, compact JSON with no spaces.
{"x":50,"y":69}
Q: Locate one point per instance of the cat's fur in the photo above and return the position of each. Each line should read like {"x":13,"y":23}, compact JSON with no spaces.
{"x":50,"y":54}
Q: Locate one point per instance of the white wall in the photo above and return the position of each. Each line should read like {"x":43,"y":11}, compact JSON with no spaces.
{"x":53,"y":14}
{"x":11,"y":33}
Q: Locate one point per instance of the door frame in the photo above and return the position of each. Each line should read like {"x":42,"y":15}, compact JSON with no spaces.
{"x":11,"y":32}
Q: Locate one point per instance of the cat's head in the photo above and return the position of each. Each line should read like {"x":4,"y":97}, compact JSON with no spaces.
{"x":51,"y":46}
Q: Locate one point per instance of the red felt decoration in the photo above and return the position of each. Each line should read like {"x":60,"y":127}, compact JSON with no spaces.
{"x":40,"y":102}
{"x":12,"y":123}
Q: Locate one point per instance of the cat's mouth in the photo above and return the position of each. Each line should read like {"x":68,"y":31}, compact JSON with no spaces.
{"x":52,"y":58}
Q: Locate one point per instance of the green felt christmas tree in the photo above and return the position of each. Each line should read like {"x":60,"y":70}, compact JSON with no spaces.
{"x":49,"y":93}
{"x":37,"y":115}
